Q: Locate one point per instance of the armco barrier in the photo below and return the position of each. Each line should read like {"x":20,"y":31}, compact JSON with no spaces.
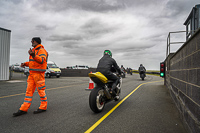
{"x":76,"y":72}
{"x":183,"y":81}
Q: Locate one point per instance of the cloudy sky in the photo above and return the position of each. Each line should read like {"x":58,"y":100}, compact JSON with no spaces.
{"x":76,"y":32}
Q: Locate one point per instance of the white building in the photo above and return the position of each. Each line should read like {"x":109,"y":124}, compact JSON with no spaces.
{"x":4,"y":53}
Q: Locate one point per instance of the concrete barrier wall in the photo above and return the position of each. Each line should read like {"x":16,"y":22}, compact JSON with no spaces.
{"x":76,"y":72}
{"x":183,"y":81}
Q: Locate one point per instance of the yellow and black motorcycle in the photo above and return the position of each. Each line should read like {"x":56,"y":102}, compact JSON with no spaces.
{"x":101,"y":93}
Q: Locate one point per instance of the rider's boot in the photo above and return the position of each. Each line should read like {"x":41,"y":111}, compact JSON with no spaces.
{"x":117,"y":89}
{"x":113,"y":89}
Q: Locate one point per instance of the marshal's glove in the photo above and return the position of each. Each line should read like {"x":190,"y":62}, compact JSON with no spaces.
{"x":32,"y":53}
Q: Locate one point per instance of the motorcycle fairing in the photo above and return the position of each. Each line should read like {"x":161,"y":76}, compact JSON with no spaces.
{"x":98,"y":78}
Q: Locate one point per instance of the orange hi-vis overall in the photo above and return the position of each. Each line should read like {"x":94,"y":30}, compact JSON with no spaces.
{"x":37,"y":67}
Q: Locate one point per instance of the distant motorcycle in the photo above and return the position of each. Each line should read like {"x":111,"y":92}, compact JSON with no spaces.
{"x":101,"y":93}
{"x":123,"y":73}
{"x":130,"y":71}
{"x":142,"y":75}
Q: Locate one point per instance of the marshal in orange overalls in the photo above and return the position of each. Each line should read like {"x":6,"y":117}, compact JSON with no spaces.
{"x":37,"y":67}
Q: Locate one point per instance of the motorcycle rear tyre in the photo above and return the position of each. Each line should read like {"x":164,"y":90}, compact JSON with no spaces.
{"x":142,"y":76}
{"x":95,"y":100}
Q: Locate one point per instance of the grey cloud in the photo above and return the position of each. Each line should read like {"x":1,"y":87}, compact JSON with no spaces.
{"x":94,"y":5}
{"x":132,"y":48}
{"x":71,"y":44}
{"x":155,"y":38}
{"x":173,"y":7}
{"x":101,"y":5}
{"x":64,"y":37}
{"x":139,"y":3}
{"x":89,"y":5}
{"x":16,"y":1}
{"x":86,"y":52}
{"x":96,"y":27}
{"x":44,"y":27}
{"x":180,"y":6}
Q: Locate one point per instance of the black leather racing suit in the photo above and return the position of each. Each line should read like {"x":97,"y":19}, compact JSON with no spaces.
{"x":105,"y":65}
{"x":142,"y":69}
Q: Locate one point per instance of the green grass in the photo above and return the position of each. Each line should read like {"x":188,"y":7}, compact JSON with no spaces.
{"x":153,"y":71}
{"x":149,"y":71}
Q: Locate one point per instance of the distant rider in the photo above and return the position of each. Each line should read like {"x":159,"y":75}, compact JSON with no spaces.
{"x":105,"y":66}
{"x":129,"y":70}
{"x":123,"y":69}
{"x":142,"y":69}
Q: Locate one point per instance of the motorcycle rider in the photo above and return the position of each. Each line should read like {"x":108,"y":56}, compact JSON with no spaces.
{"x":105,"y":66}
{"x":142,"y":69}
{"x":122,"y":68}
{"x":129,"y":70}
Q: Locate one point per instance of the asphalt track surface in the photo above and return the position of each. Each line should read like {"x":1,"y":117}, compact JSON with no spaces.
{"x":144,"y":107}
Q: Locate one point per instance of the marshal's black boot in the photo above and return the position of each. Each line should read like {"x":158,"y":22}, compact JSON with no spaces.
{"x":38,"y":111}
{"x":19,"y":112}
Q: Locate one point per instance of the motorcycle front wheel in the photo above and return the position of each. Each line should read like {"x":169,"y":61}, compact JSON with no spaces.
{"x":97,"y":99}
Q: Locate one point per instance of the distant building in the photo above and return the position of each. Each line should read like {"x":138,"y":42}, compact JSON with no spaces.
{"x":192,"y":23}
{"x":4,"y":53}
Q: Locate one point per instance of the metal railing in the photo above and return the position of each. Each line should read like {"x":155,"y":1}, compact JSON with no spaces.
{"x":192,"y":32}
{"x":169,"y":41}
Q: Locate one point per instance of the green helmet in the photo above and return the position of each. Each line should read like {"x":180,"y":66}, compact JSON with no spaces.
{"x":108,"y":52}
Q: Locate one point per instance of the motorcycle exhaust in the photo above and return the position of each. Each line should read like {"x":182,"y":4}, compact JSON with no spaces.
{"x":106,"y":92}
